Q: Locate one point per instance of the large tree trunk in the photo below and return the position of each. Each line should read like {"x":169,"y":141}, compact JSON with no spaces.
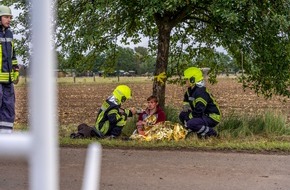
{"x":164,"y":30}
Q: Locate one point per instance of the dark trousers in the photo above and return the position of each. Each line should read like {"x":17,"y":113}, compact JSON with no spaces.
{"x":203,"y":126}
{"x":115,"y":131}
{"x":7,"y":106}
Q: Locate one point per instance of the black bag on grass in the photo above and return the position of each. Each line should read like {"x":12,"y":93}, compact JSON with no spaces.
{"x":84,"y":131}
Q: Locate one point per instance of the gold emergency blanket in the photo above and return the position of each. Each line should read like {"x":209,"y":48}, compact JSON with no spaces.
{"x":162,"y":131}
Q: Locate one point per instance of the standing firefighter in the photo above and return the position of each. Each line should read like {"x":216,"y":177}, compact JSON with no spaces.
{"x":9,"y":72}
{"x":200,"y":112}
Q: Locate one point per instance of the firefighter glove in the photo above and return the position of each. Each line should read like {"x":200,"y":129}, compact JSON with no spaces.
{"x":16,"y":77}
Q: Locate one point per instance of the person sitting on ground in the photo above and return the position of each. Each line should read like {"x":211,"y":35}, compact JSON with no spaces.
{"x":200,"y":112}
{"x":151,"y":115}
{"x":111,"y":117}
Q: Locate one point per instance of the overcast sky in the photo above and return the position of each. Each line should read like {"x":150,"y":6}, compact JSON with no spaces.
{"x":143,"y":43}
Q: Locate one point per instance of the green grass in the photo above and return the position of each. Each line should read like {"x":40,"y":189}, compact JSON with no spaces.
{"x":250,"y":144}
{"x":267,"y":125}
{"x":267,"y":133}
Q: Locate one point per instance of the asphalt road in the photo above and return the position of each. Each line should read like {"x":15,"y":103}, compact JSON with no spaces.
{"x":151,"y":169}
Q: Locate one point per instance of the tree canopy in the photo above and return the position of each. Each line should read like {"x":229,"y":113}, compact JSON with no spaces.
{"x":254,"y":33}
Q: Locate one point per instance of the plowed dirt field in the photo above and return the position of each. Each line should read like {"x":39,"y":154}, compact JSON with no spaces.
{"x":79,"y":102}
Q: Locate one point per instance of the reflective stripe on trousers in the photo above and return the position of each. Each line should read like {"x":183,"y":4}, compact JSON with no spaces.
{"x":7,"y":106}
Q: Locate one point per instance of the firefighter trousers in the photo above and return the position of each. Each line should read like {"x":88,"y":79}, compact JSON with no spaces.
{"x":7,"y":106}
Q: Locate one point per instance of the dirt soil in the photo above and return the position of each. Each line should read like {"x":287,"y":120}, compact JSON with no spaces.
{"x":151,"y":169}
{"x":80,"y":103}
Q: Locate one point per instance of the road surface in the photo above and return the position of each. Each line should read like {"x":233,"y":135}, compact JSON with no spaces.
{"x":162,"y":169}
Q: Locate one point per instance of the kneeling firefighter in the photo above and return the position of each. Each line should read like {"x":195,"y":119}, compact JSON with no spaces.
{"x":200,"y":112}
{"x":112,"y":118}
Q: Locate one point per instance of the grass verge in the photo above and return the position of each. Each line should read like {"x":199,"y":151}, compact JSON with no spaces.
{"x":267,"y":133}
{"x":249,"y":145}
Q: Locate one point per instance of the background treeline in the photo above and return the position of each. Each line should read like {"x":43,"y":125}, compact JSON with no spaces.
{"x":125,"y":61}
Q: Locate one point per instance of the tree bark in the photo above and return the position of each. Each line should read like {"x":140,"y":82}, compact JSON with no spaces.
{"x":164,"y":30}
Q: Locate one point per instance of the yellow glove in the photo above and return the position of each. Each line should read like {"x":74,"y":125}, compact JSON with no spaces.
{"x":16,"y":77}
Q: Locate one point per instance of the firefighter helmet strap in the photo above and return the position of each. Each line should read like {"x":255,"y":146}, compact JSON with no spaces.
{"x":123,"y":99}
{"x":192,"y":80}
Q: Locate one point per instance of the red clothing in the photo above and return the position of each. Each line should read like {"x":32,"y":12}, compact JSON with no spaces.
{"x":159,"y":114}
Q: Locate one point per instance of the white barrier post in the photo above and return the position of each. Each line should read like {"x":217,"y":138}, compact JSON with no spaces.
{"x":40,"y":144}
{"x":92,"y":172}
{"x":44,"y":154}
{"x":15,"y":145}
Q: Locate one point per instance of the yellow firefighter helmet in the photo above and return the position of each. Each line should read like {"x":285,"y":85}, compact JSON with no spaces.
{"x":193,"y":74}
{"x":122,"y":93}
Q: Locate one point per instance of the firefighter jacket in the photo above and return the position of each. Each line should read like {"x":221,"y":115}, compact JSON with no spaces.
{"x":111,"y":115}
{"x":201,"y":103}
{"x":8,"y":63}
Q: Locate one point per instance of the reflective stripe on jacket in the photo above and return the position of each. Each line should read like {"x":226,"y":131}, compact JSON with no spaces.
{"x":202,"y":103}
{"x":111,"y":115}
{"x":8,"y":61}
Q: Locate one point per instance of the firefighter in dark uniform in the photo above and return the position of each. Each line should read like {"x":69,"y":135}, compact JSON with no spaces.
{"x":9,"y":72}
{"x":112,"y":118}
{"x":200,"y":112}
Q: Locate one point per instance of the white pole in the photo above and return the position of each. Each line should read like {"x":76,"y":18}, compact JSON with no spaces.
{"x":92,"y":170}
{"x":44,"y":156}
{"x":39,"y":146}
{"x":15,"y":145}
